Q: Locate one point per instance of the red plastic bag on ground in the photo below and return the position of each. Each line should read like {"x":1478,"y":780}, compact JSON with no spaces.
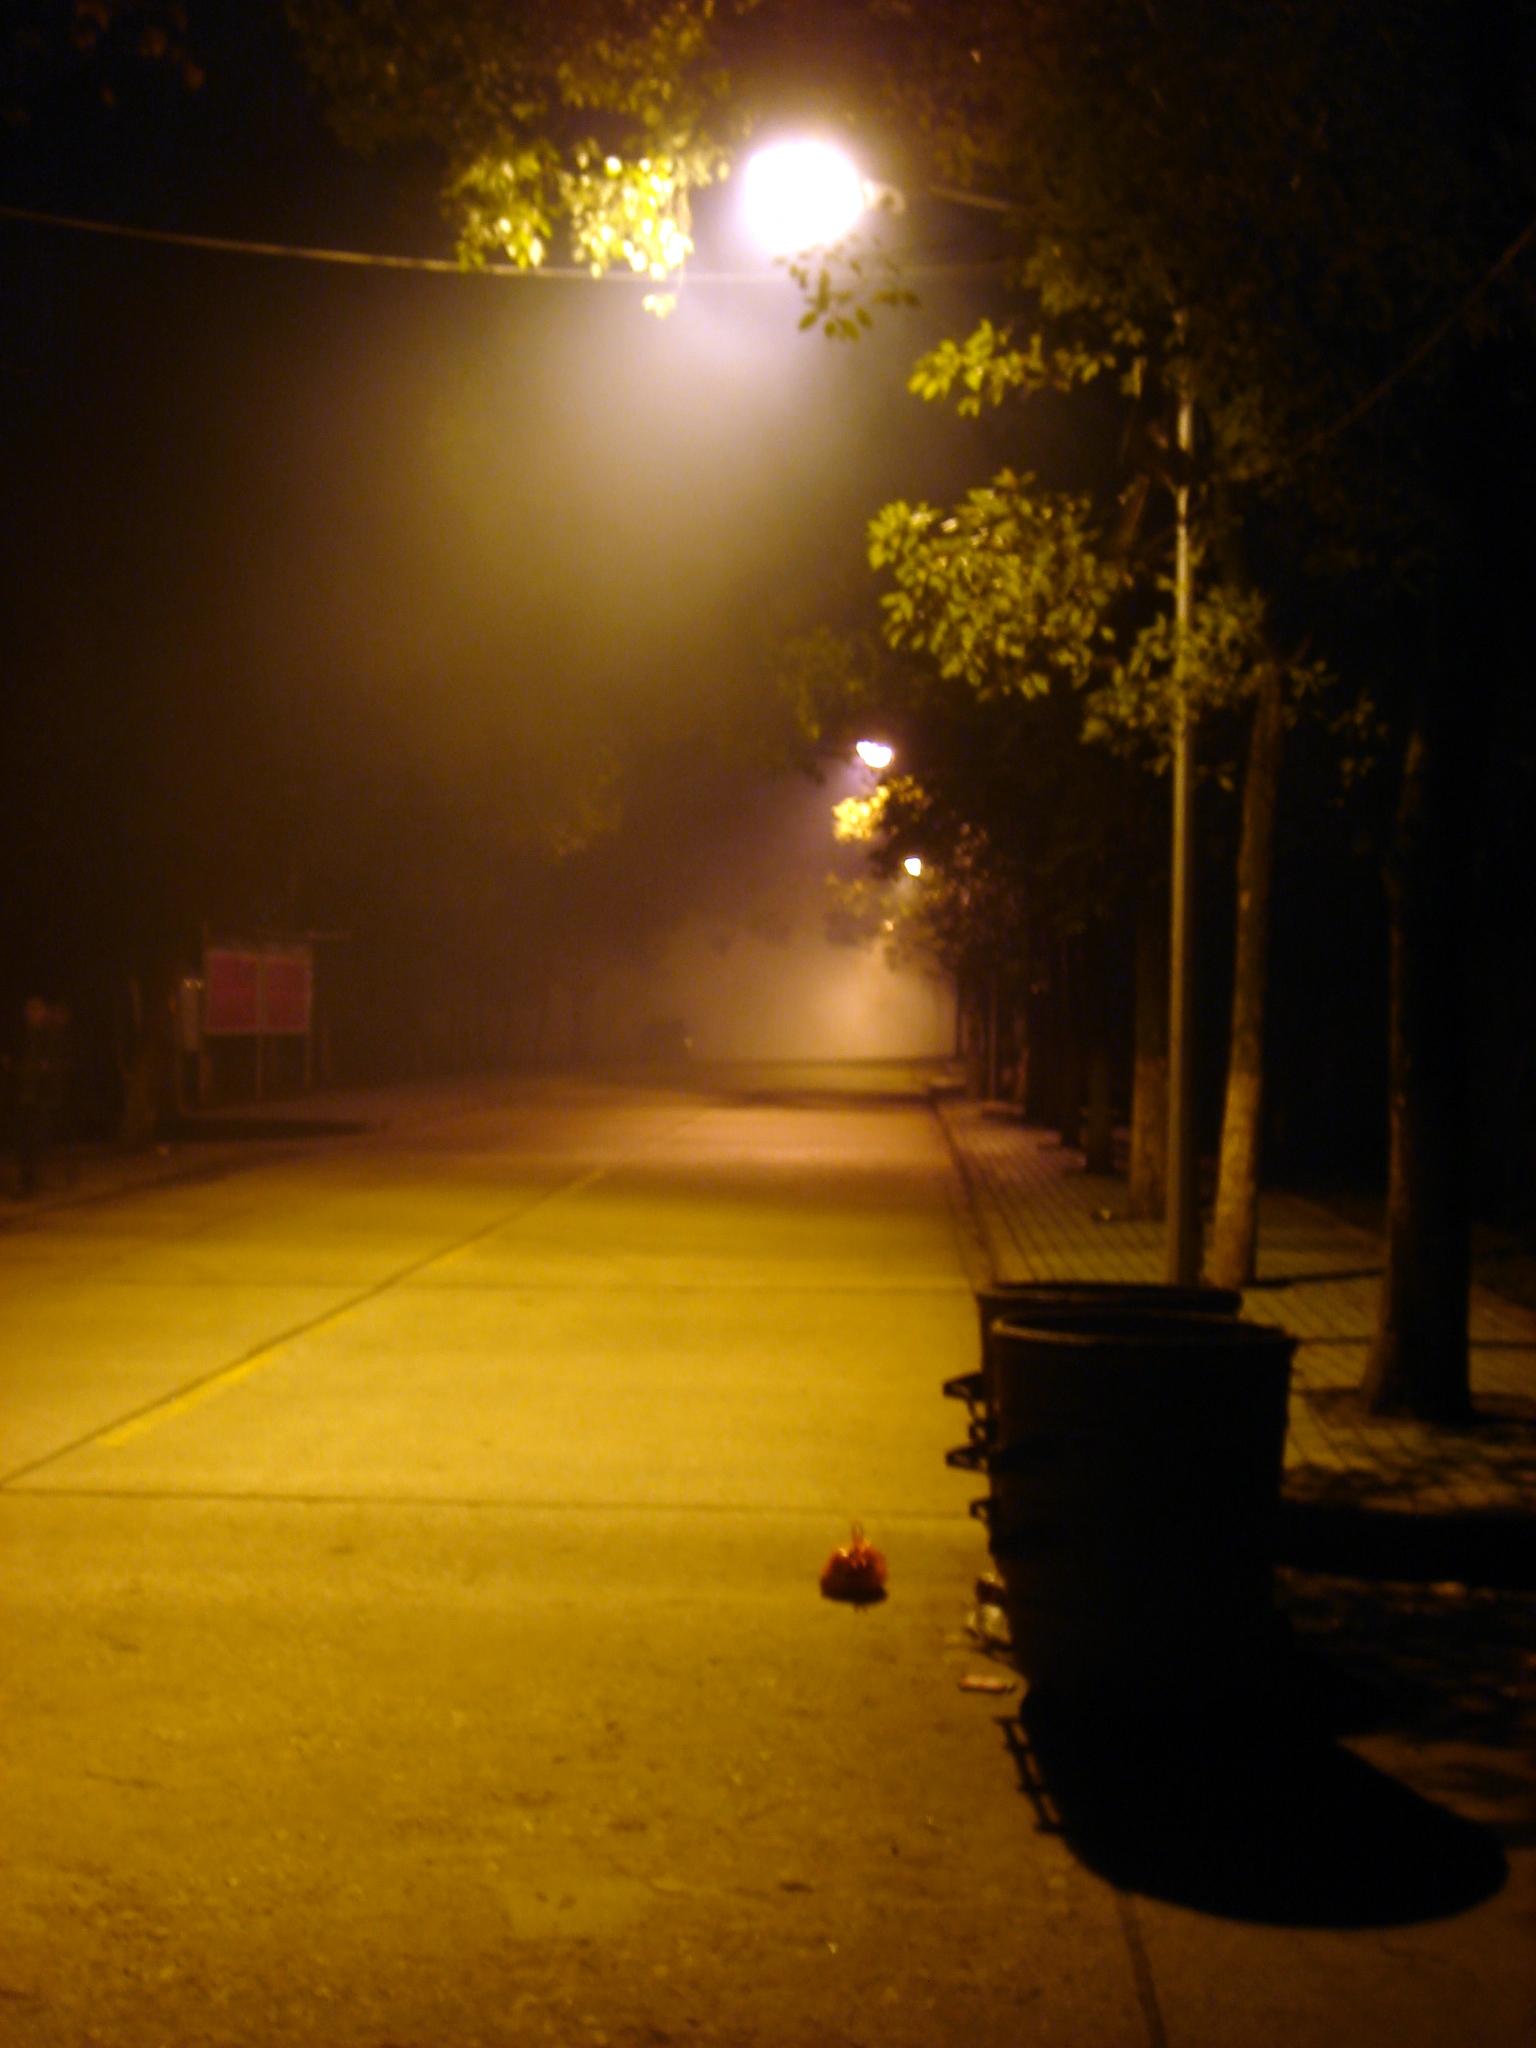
{"x":856,"y":1572}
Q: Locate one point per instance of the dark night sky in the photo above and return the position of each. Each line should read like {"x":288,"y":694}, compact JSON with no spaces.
{"x":326,"y":584}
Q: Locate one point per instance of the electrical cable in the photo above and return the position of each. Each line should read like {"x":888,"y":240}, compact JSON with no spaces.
{"x":570,"y":273}
{"x":1426,"y":347}
{"x":556,"y":273}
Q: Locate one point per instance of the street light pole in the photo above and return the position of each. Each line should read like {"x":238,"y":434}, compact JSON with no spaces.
{"x":1182,"y":1259}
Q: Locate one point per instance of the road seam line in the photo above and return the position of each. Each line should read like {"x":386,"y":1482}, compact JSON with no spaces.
{"x":113,"y":1435}
{"x":956,"y":1519}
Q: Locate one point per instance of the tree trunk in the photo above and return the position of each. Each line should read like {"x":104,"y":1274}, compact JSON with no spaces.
{"x":1069,"y":1122}
{"x":992,"y":1044}
{"x":1022,"y":1035}
{"x":1234,"y":1234}
{"x":1418,"y":1363}
{"x":1098,"y":1115}
{"x":1099,"y":1131}
{"x":1149,"y":1088}
{"x":1037,"y":1043}
{"x":1042,"y":1102}
{"x":975,"y":1045}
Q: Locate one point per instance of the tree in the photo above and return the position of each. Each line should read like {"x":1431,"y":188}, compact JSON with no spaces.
{"x":1219,"y":192}
{"x":1364,"y":218}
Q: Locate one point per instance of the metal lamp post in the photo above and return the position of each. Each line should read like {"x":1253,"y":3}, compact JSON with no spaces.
{"x":1182,"y":1248}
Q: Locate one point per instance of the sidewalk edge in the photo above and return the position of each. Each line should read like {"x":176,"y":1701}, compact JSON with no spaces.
{"x":967,"y":1206}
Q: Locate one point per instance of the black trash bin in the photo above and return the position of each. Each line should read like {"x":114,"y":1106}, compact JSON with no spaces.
{"x":1019,"y":1297}
{"x":1059,"y":1302}
{"x":1135,"y":1462}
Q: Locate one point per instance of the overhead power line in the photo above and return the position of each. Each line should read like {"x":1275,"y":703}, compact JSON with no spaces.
{"x":571,"y":273}
{"x":1427,"y":346}
{"x":368,"y":259}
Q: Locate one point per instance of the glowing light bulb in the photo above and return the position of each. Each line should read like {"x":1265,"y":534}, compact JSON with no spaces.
{"x":801,"y":195}
{"x":912,"y":864}
{"x":875,"y":753}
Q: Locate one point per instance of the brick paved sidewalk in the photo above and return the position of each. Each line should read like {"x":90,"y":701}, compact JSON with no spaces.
{"x":1351,"y":1481}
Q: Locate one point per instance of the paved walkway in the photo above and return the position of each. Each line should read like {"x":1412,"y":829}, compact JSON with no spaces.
{"x":409,"y":1631}
{"x":1041,"y":1217}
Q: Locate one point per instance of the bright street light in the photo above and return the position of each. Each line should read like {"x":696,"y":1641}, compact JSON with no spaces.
{"x":875,"y":753}
{"x":913,"y":864}
{"x":802,"y":195}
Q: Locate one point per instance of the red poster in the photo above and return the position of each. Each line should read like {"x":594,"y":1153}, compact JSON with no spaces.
{"x":233,"y":997}
{"x":286,"y":1009}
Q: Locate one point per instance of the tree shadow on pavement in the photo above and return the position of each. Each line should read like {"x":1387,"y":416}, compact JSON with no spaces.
{"x":1322,"y":1276}
{"x":1452,"y":1668}
{"x":1261,"y":1817}
{"x":1416,"y":1501}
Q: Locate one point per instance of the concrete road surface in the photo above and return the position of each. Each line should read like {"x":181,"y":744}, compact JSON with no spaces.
{"x":408,"y":1578}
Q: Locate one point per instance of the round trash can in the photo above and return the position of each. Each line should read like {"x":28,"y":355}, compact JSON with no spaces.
{"x":1134,"y":1467}
{"x":1064,"y":1302}
{"x":1017,"y":1298}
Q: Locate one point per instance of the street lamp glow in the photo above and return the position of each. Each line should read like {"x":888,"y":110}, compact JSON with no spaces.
{"x":912,"y":864}
{"x":875,"y":753}
{"x":801,"y":195}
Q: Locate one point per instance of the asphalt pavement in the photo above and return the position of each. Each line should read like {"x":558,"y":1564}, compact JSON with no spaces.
{"x":410,"y":1630}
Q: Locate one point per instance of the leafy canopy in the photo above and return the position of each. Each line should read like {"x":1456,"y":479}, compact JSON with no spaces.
{"x":587,"y":112}
{"x":1006,"y":592}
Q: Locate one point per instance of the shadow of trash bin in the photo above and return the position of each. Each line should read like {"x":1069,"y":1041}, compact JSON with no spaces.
{"x":1259,"y":1817}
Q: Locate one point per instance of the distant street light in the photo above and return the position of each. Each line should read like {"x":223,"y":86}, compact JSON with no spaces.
{"x":802,"y":195}
{"x":913,"y":864}
{"x":875,"y":753}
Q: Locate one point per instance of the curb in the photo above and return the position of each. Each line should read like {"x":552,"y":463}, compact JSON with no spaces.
{"x":971,"y":1234}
